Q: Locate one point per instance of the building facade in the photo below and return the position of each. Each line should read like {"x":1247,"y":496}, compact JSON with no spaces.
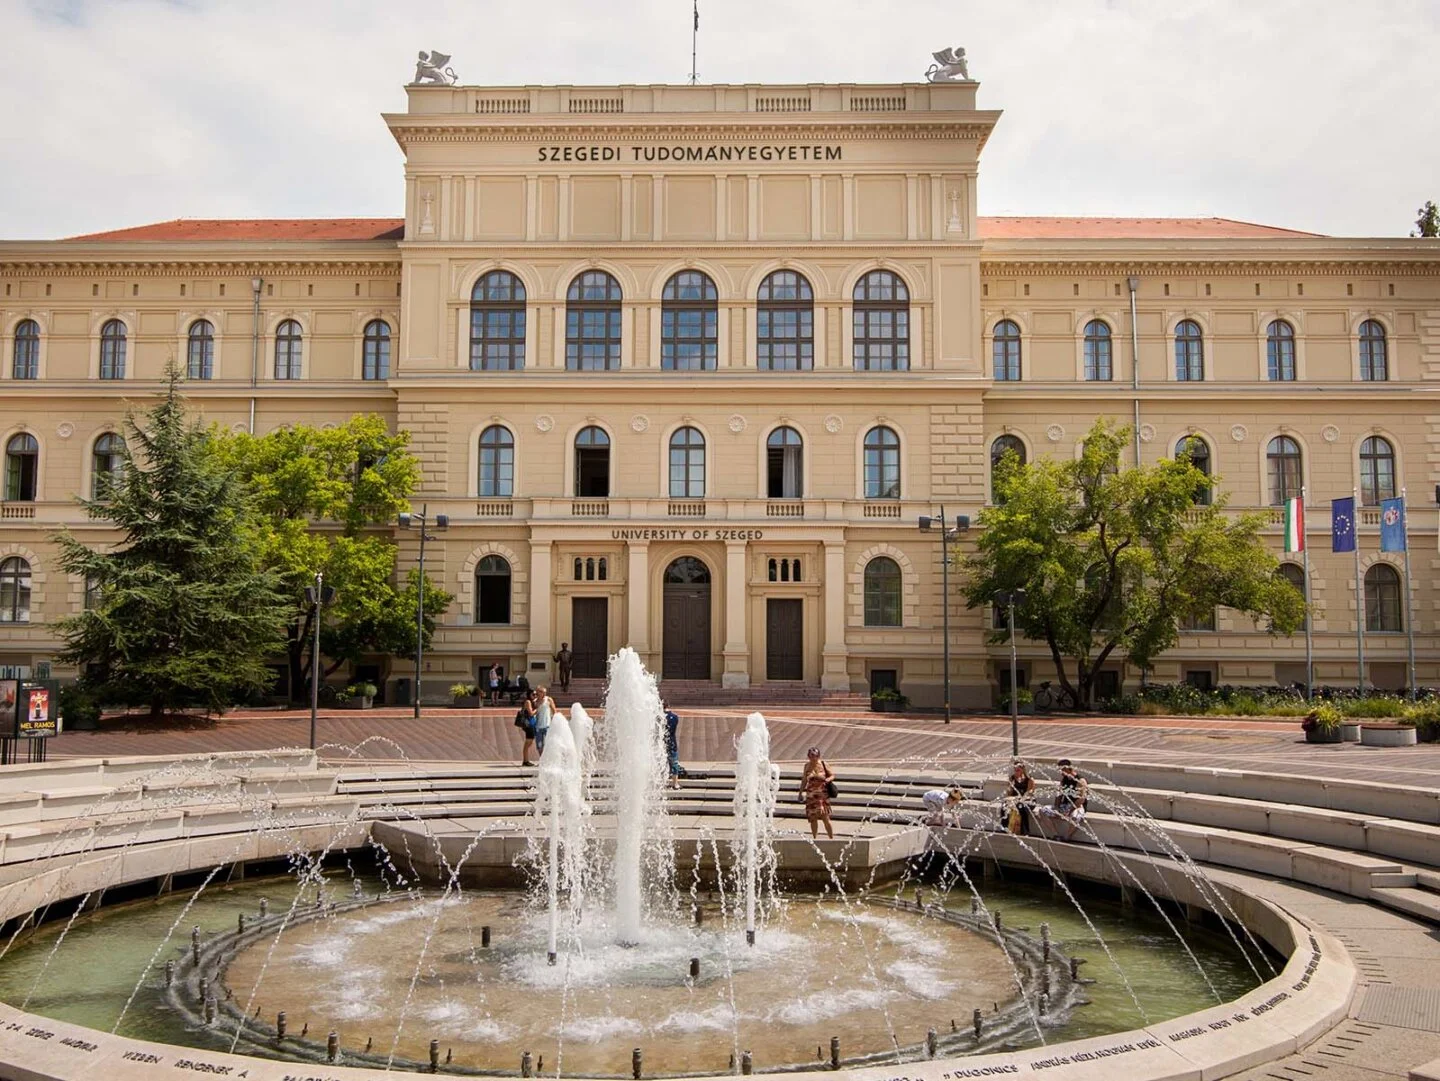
{"x":685,"y":364}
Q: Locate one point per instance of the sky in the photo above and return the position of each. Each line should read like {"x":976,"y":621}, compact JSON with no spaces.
{"x":1312,"y":114}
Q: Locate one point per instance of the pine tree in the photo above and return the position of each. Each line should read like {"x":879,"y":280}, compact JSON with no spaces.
{"x":1428,"y":223}
{"x":182,"y":613}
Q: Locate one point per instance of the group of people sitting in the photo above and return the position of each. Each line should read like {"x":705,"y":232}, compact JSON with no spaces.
{"x":1018,"y":805}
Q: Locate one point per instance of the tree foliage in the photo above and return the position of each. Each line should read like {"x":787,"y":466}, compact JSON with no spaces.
{"x":1113,"y":560}
{"x":1428,"y":222}
{"x":183,"y":612}
{"x":320,"y":493}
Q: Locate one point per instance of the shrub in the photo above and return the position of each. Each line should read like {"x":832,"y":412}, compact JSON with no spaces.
{"x":1323,"y":717}
{"x":79,"y":708}
{"x":1375,"y":706}
{"x":1123,"y":704}
{"x":462,"y":690}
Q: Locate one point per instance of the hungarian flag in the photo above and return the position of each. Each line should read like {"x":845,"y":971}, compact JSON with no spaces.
{"x":1295,"y":524}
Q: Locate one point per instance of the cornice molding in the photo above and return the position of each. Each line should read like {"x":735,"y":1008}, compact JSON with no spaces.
{"x":170,"y":267}
{"x":1109,"y":266}
{"x":449,"y":130}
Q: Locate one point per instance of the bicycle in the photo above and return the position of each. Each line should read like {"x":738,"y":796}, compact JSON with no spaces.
{"x":1050,"y":696}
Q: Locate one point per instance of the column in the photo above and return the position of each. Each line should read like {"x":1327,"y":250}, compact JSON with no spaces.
{"x":541,"y":647}
{"x":637,"y":594}
{"x":834,"y":675}
{"x":737,"y":648}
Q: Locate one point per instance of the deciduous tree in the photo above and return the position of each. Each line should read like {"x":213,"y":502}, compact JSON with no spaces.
{"x":1428,"y":223}
{"x":1113,"y":560}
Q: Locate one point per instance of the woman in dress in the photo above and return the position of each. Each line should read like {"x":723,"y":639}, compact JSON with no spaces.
{"x":1019,"y":800}
{"x":815,"y":784}
{"x":526,"y":721}
{"x":544,"y":710}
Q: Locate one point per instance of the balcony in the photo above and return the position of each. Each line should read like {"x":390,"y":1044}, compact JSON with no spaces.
{"x":498,"y":508}
{"x":785,"y":508}
{"x":685,"y":509}
{"x":17,"y":512}
{"x":590,"y":508}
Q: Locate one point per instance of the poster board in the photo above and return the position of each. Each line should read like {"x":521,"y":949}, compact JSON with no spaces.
{"x":37,"y":710}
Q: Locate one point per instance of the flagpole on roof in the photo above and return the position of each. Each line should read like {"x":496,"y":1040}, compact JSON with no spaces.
{"x":694,"y":40}
{"x":1409,"y":596}
{"x":1359,"y":591}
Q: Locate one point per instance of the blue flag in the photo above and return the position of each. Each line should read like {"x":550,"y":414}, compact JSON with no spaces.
{"x":1342,"y":524}
{"x":1392,"y":525}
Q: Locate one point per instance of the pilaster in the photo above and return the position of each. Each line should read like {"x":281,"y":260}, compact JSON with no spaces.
{"x":834,"y":655}
{"x":737,"y":649}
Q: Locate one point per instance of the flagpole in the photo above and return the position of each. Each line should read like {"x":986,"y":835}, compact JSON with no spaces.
{"x":1305,"y":568}
{"x":1409,"y":595}
{"x":1359,"y":593}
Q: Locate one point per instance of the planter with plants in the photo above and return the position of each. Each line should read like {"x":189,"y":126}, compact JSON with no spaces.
{"x":356,"y":696}
{"x":1387,"y":734}
{"x":1425,"y":716}
{"x":1025,"y":701}
{"x":1322,"y":724}
{"x":888,"y":700}
{"x":464,"y":696}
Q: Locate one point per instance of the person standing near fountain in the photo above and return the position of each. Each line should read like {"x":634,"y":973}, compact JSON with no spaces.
{"x":544,"y":710}
{"x":940,"y":804}
{"x":525,"y":721}
{"x":672,"y":743}
{"x":817,"y":786}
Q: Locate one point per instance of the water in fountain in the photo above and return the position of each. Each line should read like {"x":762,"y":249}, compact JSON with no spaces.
{"x":560,"y":803}
{"x":757,"y":781}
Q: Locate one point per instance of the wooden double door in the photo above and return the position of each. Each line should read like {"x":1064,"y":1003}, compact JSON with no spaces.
{"x":784,"y":638}
{"x":589,"y":636}
{"x":685,"y":629}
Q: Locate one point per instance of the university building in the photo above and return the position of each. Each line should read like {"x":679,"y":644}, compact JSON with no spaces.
{"x":684,"y":365}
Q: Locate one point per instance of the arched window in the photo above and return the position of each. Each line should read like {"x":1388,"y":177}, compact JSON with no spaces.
{"x":1377,"y":470}
{"x":1295,"y":575}
{"x":785,"y":323}
{"x":1283,"y":459}
{"x":375,"y":359}
{"x":882,"y":464}
{"x":492,"y":590}
{"x":687,"y":464}
{"x":200,"y":350}
{"x":592,"y":323}
{"x":112,"y":350}
{"x":689,"y":323}
{"x":1374,"y":353}
{"x":592,"y":463}
{"x":1382,"y":599}
{"x":881,"y":323}
{"x":107,"y":459}
{"x":882,"y":592}
{"x":14,"y":590}
{"x":1097,"y":351}
{"x":1189,"y":352}
{"x":497,"y":463}
{"x":784,"y":464}
{"x":1280,"y":351}
{"x":497,"y":323}
{"x":27,"y":350}
{"x":22,"y":468}
{"x":1003,"y":445}
{"x":288,"y":345}
{"x":687,"y":571}
{"x":1005,"y":351}
{"x":1198,"y":451}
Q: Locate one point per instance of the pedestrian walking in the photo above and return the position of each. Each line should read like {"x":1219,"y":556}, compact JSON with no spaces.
{"x":544,"y":710}
{"x":672,"y":744}
{"x":817,"y":789}
{"x":525,"y":721}
{"x":564,"y":664}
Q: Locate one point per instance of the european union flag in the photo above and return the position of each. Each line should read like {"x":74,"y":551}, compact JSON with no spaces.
{"x":1392,"y":525}
{"x":1342,"y":524}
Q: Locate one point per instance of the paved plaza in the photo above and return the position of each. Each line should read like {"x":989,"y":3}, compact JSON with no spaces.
{"x":707,"y":735}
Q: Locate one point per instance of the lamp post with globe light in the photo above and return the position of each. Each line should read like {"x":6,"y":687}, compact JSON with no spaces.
{"x":947,"y":533}
{"x":423,"y":519}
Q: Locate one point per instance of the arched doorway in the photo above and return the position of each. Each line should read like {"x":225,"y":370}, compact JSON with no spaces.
{"x":686,"y":631}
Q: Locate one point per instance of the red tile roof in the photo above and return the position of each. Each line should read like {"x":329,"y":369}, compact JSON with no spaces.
{"x":997,"y":228}
{"x":1130,"y":229}
{"x":212,"y":229}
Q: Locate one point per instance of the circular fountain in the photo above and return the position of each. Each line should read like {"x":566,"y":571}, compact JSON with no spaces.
{"x":650,"y":936}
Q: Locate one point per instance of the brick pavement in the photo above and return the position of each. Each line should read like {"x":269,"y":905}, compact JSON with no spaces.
{"x":707,"y":735}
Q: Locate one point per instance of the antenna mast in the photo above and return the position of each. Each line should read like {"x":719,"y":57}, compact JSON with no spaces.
{"x":694,"y":36}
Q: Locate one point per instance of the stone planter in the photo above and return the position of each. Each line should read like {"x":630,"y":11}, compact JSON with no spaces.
{"x":1323,"y":735}
{"x":1387,"y":735}
{"x":364,"y":702}
{"x":887,"y":705}
{"x":1350,"y":731}
{"x":472,"y":701}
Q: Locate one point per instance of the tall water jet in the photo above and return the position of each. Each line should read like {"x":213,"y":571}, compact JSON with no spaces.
{"x":636,"y":756}
{"x":560,"y":802}
{"x":582,"y":728}
{"x":757,"y":781}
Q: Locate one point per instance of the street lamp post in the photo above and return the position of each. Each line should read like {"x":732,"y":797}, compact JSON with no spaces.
{"x":423,"y":519}
{"x":1010,"y":599}
{"x":962,"y":523}
{"x":317,"y":596}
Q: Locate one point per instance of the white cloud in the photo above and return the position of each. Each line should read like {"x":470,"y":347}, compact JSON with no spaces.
{"x":1308,"y":113}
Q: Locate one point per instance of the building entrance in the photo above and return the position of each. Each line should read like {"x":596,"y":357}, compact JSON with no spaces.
{"x":784,"y":638}
{"x":686,"y":628}
{"x":589,"y":633}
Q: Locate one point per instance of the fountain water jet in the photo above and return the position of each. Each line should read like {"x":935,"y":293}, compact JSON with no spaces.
{"x":560,"y":799}
{"x":757,"y":781}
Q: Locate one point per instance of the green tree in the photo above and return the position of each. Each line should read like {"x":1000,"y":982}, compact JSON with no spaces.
{"x":1428,"y":223}
{"x":1113,"y":560}
{"x":322,"y":494}
{"x":182,"y":612}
